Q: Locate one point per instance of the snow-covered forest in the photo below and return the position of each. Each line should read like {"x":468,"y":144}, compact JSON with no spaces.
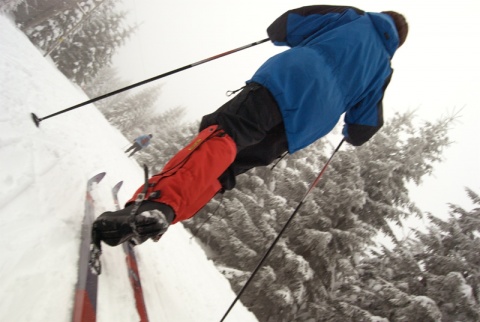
{"x":329,"y":265}
{"x":79,"y":36}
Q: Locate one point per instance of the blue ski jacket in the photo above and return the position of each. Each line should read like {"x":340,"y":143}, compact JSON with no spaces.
{"x":143,"y":140}
{"x":339,"y":62}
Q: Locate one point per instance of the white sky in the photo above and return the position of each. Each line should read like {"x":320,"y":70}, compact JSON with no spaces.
{"x":437,"y":71}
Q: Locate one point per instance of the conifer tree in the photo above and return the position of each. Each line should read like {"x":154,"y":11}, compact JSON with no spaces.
{"x":433,"y":276}
{"x":399,"y":154}
{"x":34,"y":13}
{"x":92,"y":47}
{"x":81,"y":38}
{"x":450,"y":257}
{"x":105,"y":81}
{"x":9,"y":5}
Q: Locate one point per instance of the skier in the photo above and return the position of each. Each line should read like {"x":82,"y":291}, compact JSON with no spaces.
{"x":139,"y":143}
{"x":339,"y":62}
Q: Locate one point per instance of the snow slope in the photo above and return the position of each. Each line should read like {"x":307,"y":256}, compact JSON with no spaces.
{"x":43,"y":173}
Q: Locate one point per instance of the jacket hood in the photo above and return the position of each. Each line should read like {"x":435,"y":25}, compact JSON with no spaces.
{"x":386,"y":29}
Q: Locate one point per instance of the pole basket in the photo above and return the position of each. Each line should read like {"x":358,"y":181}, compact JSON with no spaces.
{"x":36,"y":119}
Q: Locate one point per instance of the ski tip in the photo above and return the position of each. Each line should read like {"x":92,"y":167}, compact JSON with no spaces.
{"x":97,"y":178}
{"x":118,"y":186}
{"x":36,"y":119}
{"x":100,"y":176}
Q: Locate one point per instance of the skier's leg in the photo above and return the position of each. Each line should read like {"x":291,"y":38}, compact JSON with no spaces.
{"x":263,"y":153}
{"x":187,"y":182}
{"x":254,"y":121}
{"x":190,"y":179}
{"x":130,"y":148}
{"x":134,"y":151}
{"x":137,"y":147}
{"x":248,"y":117}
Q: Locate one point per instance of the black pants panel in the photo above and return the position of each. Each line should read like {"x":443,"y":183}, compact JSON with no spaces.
{"x":253,"y":120}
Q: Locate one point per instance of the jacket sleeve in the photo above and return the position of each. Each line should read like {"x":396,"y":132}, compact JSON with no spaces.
{"x":295,"y":25}
{"x":365,"y":118}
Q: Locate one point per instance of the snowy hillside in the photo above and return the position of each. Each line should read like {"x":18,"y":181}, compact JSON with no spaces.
{"x":43,"y":175}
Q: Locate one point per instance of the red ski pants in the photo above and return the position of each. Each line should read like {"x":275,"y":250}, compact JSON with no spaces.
{"x":190,"y":179}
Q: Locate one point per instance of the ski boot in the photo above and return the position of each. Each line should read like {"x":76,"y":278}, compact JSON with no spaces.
{"x":151,"y":220}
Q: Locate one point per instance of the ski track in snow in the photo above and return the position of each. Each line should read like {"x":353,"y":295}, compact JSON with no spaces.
{"x":43,"y":177}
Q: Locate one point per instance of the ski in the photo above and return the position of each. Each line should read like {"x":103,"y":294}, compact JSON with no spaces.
{"x":133,"y":273}
{"x":85,"y":303}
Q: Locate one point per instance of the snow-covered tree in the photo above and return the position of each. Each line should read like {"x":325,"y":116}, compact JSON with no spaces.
{"x":32,"y":13}
{"x":450,"y":258}
{"x":434,"y":276}
{"x":80,"y":36}
{"x":9,"y":5}
{"x":105,"y":81}
{"x":399,"y":154}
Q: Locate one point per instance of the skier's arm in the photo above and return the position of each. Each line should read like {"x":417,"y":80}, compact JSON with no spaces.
{"x":295,"y":25}
{"x":366,"y":118}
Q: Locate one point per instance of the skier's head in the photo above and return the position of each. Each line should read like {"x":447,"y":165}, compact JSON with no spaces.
{"x":400,"y":23}
{"x":150,"y":135}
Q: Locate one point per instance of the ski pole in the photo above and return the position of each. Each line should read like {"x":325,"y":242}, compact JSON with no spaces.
{"x":257,"y":268}
{"x":37,"y":119}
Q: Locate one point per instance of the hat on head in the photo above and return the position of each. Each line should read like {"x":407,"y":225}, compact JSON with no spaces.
{"x":400,"y":24}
